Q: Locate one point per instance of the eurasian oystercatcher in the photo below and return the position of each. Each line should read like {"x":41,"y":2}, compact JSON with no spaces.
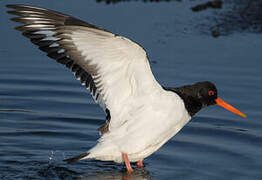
{"x":141,"y":114}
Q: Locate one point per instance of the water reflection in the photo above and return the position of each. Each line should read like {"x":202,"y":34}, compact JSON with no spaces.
{"x":236,"y":16}
{"x":58,"y":171}
{"x":120,"y":175}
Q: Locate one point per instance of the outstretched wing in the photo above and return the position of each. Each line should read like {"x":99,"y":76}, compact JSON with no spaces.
{"x":115,"y":69}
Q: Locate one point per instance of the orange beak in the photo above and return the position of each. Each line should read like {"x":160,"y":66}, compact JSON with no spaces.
{"x":223,"y":104}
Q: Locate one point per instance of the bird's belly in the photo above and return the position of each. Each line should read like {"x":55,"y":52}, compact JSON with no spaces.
{"x":145,"y":133}
{"x":141,"y":148}
{"x":136,"y":149}
{"x":146,"y":151}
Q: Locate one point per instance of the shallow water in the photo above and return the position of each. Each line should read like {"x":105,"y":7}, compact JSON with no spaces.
{"x":46,"y":115}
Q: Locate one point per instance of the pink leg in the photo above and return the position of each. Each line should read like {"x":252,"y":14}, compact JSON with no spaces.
{"x":127,"y":163}
{"x":139,"y":164}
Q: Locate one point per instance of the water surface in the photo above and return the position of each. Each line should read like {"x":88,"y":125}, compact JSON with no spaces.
{"x":46,"y":115}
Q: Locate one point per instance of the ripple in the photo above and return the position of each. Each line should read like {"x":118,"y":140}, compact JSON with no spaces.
{"x":46,"y":116}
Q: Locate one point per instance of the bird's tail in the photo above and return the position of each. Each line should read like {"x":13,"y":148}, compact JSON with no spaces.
{"x":76,"y":158}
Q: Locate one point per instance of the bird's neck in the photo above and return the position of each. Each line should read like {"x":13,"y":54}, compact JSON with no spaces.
{"x":192,"y":104}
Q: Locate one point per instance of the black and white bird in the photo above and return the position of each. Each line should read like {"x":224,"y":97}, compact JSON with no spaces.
{"x":141,"y":114}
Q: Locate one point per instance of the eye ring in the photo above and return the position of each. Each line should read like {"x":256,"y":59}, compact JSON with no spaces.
{"x":211,"y":93}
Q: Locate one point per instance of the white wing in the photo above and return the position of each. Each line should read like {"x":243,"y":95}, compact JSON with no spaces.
{"x":115,"y":69}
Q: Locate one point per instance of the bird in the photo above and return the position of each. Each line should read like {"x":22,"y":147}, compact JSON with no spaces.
{"x":141,"y":114}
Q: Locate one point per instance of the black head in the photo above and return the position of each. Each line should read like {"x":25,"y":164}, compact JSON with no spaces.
{"x":205,"y":92}
{"x":200,"y":95}
{"x":197,"y":96}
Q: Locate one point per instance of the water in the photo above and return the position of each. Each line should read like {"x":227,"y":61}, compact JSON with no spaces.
{"x":46,"y":116}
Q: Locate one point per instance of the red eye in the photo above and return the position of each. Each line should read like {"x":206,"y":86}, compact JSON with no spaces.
{"x":211,"y":93}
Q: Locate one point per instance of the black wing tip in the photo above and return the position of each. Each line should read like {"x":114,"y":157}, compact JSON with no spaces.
{"x":21,"y":7}
{"x":15,"y":6}
{"x":76,"y":158}
{"x":11,"y":5}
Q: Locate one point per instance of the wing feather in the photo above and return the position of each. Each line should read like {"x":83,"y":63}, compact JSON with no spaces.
{"x":114,"y":69}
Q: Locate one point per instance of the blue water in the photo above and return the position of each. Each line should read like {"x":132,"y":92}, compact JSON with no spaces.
{"x":46,"y":115}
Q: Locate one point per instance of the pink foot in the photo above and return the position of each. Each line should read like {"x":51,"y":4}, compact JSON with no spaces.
{"x":140,"y":164}
{"x":127,"y":163}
